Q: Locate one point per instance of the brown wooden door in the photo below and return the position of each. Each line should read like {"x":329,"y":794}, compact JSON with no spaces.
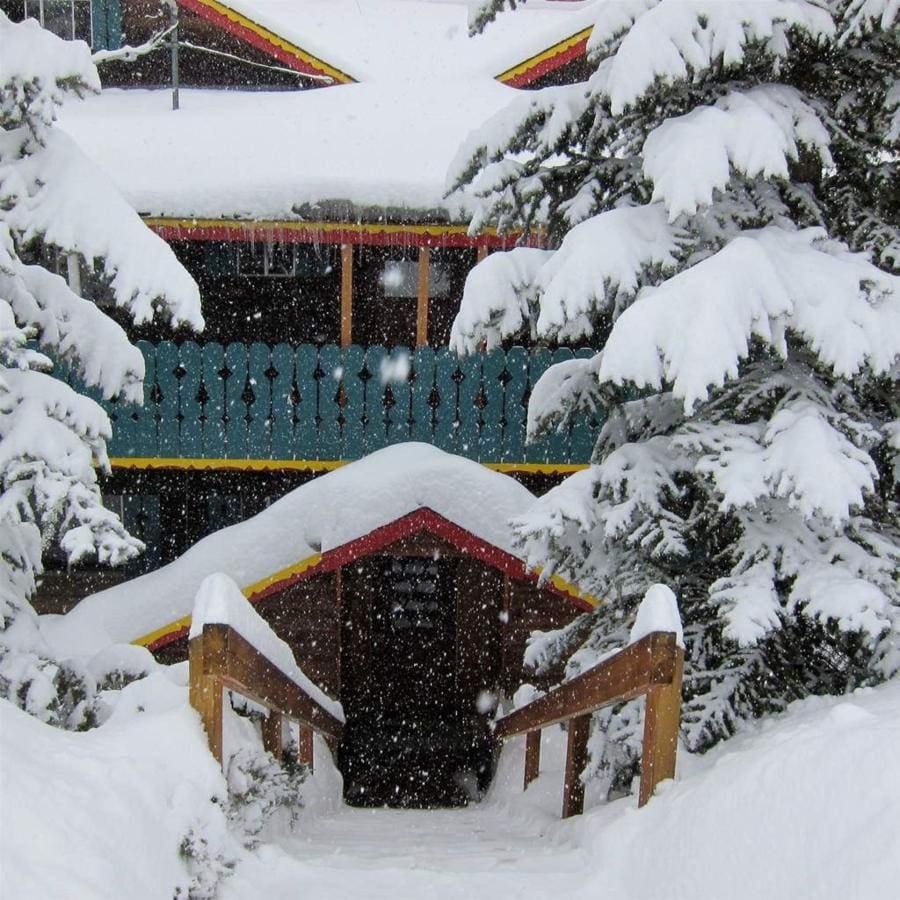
{"x":413,"y":661}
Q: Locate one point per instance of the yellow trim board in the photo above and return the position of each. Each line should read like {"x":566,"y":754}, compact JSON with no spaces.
{"x":200,"y":463}
{"x":282,"y":575}
{"x":311,"y":465}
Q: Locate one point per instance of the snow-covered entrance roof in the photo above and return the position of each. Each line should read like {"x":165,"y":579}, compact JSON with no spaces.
{"x":346,"y":514}
{"x":374,"y":151}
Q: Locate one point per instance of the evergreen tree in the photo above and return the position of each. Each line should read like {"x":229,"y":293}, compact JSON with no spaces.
{"x":54,"y":205}
{"x":721,"y":199}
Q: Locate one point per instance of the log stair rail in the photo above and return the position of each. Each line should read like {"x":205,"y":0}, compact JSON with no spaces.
{"x":652,"y":666}
{"x":221,"y":659}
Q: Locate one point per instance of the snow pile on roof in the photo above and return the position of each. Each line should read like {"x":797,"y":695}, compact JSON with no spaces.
{"x":258,"y":155}
{"x":220,"y":602}
{"x":319,"y":516}
{"x":386,"y":142}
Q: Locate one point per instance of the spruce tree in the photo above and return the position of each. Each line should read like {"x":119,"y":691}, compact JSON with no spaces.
{"x":720,"y":203}
{"x":57,"y":210}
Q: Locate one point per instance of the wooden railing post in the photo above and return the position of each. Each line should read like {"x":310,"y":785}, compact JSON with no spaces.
{"x":532,"y":756}
{"x":305,"y":748}
{"x":576,"y":760}
{"x":273,"y":739}
{"x":346,"y":295}
{"x":206,"y":666}
{"x":661,"y":718}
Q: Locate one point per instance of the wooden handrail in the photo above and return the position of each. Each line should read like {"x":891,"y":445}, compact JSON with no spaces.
{"x":220,"y":658}
{"x":652,"y":666}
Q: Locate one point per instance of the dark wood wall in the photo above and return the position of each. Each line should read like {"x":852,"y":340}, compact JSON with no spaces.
{"x":326,"y":621}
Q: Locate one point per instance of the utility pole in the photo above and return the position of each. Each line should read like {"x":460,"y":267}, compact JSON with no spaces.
{"x":173,"y":14}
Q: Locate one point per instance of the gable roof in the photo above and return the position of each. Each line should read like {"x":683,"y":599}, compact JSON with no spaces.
{"x":377,"y":151}
{"x":318,"y":527}
{"x":365,"y":40}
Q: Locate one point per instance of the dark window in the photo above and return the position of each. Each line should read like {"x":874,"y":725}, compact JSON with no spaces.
{"x":69,"y":19}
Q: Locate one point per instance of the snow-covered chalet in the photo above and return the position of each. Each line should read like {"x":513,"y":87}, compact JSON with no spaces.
{"x":302,"y":181}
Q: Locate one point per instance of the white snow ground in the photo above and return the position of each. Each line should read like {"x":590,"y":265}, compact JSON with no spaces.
{"x":803,"y":806}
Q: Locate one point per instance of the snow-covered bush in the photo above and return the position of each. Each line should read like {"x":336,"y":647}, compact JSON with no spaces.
{"x":721,"y":204}
{"x":259,"y":785}
{"x":54,"y":205}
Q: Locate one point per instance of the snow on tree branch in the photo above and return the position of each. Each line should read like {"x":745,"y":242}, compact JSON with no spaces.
{"x":675,"y":40}
{"x":64,"y":200}
{"x":693,"y":330}
{"x":722,"y":197}
{"x":757,"y":133}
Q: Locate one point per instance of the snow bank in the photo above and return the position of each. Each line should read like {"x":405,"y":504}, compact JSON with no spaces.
{"x":325,"y":513}
{"x":800,"y":806}
{"x":220,"y":601}
{"x":102,"y":814}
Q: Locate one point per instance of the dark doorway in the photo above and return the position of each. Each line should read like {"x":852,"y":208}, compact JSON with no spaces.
{"x":408,"y":742}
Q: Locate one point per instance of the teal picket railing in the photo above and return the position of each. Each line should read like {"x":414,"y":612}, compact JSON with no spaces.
{"x":309,"y":403}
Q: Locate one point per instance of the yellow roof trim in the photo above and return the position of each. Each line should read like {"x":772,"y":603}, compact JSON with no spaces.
{"x":249,"y":592}
{"x":282,"y":575}
{"x":534,"y":61}
{"x":432,"y":229}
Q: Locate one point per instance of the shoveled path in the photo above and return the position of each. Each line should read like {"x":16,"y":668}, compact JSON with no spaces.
{"x":478,"y":852}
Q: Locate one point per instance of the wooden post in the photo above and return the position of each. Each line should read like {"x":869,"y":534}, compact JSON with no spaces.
{"x":305,"y":746}
{"x":206,"y":667}
{"x":576,"y":760}
{"x":346,"y":295}
{"x":661,"y":718}
{"x":532,"y":756}
{"x":481,"y":253}
{"x":273,"y":740}
{"x":422,"y":302}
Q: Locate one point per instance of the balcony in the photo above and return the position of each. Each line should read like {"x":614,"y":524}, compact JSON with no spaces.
{"x":256,"y":406}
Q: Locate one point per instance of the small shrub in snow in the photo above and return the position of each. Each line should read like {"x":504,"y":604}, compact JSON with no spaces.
{"x":208,"y":863}
{"x":259,"y":786}
{"x":722,"y":208}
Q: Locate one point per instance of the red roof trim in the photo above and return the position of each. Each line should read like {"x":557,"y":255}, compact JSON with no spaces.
{"x":546,"y":66}
{"x":244,"y":30}
{"x":423,"y":519}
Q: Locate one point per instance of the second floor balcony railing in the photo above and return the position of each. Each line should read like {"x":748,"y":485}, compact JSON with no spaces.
{"x":288,"y":405}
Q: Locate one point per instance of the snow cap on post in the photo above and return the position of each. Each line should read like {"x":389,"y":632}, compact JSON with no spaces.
{"x":658,"y":612}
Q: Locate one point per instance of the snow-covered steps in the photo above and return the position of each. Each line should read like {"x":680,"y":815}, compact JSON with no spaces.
{"x":467,"y":853}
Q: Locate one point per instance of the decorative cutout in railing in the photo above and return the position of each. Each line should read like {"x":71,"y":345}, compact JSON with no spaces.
{"x":308,"y":403}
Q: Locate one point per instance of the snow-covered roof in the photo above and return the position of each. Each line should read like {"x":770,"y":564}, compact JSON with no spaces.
{"x":259,"y":155}
{"x":384,"y":144}
{"x":372,"y":40}
{"x":295,"y":534}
